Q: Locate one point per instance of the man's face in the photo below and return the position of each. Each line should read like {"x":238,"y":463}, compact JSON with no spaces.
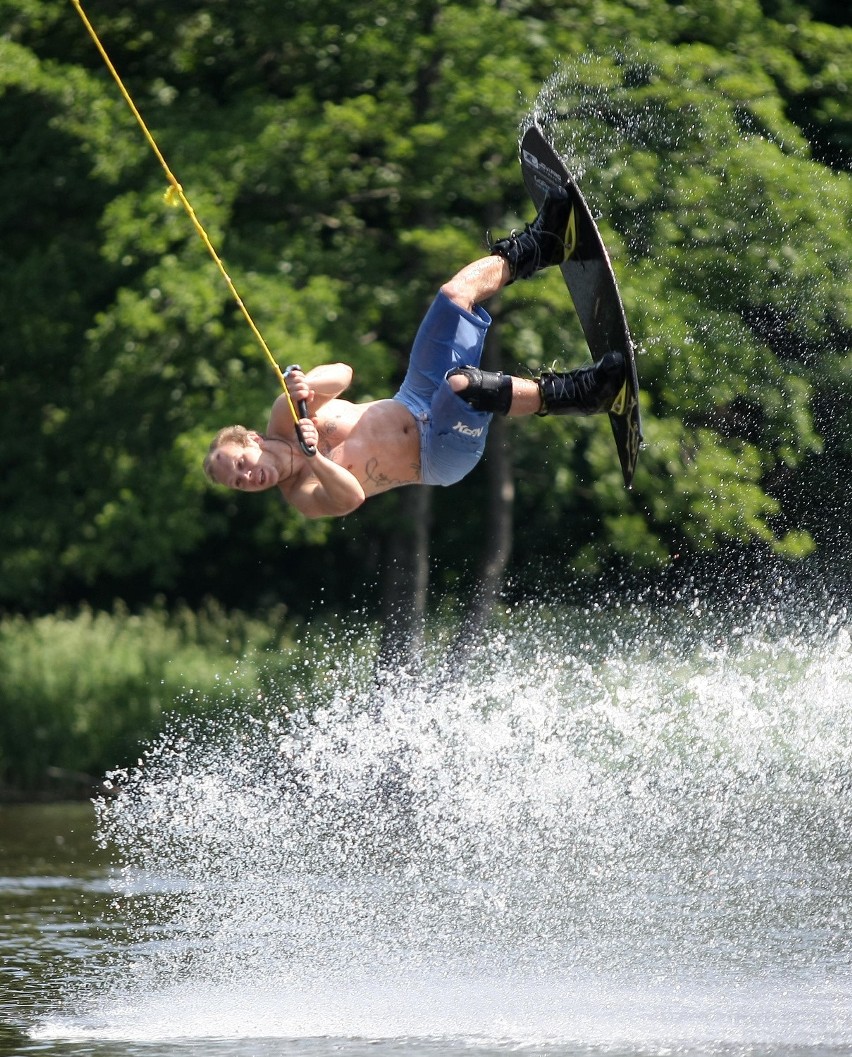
{"x":248,"y":469}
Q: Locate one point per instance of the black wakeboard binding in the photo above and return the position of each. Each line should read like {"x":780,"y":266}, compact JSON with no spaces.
{"x":585,"y":390}
{"x":546,"y":241}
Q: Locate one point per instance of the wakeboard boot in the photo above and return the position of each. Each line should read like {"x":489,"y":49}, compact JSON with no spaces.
{"x":544,"y":241}
{"x":585,"y":390}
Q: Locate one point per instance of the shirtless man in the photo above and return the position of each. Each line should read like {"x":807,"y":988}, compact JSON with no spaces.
{"x":433,"y":431}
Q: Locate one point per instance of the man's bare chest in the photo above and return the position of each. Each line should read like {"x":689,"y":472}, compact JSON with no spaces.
{"x":378,"y":442}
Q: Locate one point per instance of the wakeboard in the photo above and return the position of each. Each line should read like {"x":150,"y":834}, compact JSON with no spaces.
{"x":591,"y":282}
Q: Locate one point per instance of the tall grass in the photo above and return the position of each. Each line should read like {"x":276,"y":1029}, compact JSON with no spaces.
{"x":81,"y":693}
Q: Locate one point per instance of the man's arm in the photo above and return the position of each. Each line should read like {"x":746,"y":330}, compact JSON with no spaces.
{"x":322,"y":488}
{"x":324,"y":383}
{"x":317,"y":387}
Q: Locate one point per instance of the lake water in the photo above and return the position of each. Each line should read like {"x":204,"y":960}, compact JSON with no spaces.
{"x":622,"y":833}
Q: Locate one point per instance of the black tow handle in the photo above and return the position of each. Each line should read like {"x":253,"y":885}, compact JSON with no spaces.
{"x":302,"y":407}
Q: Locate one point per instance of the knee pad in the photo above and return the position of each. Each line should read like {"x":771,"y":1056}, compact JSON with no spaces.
{"x":489,"y":391}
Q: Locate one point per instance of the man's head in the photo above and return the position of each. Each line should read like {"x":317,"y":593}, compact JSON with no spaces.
{"x":242,"y":459}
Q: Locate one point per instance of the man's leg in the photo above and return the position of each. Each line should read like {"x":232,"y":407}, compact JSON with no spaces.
{"x":584,"y":391}
{"x":476,"y":282}
{"x":503,"y":394}
{"x":518,"y":256}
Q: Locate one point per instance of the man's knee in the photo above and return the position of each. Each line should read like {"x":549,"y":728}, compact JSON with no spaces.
{"x":489,"y":391}
{"x":459,"y":292}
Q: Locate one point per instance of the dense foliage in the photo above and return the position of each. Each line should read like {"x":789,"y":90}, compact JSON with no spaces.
{"x":348,"y":157}
{"x":85,"y":692}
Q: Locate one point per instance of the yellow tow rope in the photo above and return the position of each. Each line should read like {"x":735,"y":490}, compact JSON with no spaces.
{"x":176,"y":189}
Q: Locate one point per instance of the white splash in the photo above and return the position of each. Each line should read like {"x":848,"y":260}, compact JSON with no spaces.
{"x":612,"y":828}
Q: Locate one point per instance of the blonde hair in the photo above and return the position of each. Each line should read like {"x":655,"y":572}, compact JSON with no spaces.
{"x":228,"y":435}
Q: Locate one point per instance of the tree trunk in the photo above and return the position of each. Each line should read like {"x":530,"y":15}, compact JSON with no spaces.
{"x":406,"y":580}
{"x":496,"y":550}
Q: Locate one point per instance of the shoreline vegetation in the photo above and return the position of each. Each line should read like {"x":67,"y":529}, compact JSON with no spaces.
{"x":84,"y":692}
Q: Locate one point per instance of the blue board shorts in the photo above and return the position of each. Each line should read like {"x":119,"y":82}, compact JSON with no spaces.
{"x":452,"y":434}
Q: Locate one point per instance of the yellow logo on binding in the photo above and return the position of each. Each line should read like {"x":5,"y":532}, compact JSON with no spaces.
{"x":571,"y":234}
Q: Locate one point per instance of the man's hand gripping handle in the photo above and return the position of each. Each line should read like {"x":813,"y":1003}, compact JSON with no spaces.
{"x":302,"y":407}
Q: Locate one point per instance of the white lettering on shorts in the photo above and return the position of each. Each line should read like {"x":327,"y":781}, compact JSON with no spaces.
{"x":468,"y":431}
